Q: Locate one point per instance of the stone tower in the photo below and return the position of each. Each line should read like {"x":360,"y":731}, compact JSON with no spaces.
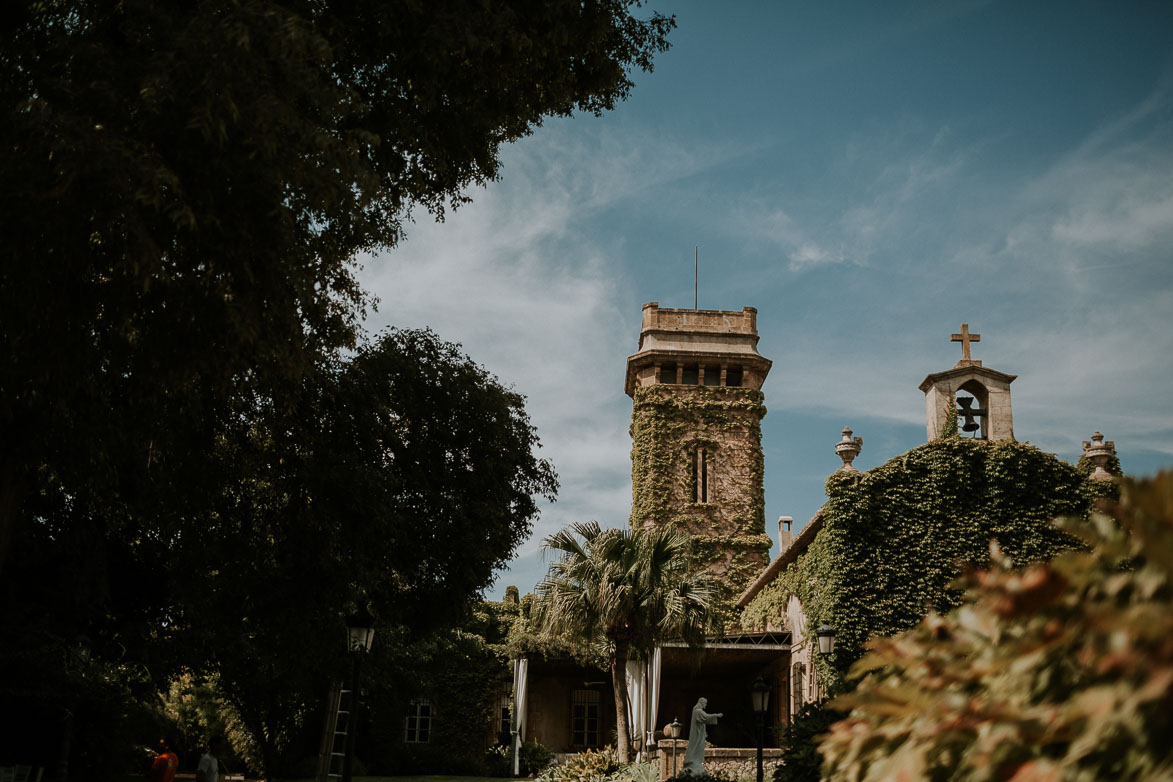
{"x":696,"y":455}
{"x":980,"y":396}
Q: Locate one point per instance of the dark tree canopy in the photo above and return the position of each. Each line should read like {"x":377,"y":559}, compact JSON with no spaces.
{"x":402,"y":477}
{"x":185,"y":185}
{"x":185,"y":399}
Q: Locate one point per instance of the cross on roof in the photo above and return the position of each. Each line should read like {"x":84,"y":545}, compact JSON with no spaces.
{"x":965,"y":338}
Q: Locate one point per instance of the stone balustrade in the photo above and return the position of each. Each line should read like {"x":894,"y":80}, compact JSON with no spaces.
{"x":728,"y":761}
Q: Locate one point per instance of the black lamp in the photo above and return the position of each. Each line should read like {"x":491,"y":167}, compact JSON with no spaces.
{"x":360,"y":630}
{"x":826,"y":635}
{"x":760,"y":695}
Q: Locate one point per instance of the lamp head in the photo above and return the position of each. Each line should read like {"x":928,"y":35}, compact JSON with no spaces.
{"x":360,"y":630}
{"x":760,"y":695}
{"x":826,"y":636}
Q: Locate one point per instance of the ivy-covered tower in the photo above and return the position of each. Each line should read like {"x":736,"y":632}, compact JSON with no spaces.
{"x":696,"y":455}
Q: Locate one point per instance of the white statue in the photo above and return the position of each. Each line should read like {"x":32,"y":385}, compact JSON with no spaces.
{"x":694,"y":757}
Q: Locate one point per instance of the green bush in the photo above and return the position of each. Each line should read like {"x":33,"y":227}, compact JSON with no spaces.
{"x":801,"y":759}
{"x":534,"y":757}
{"x":641,"y":772}
{"x":589,"y":766}
{"x":498,"y":761}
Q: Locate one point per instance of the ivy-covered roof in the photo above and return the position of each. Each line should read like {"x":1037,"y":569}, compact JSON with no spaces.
{"x":892,"y":540}
{"x":788,"y":555}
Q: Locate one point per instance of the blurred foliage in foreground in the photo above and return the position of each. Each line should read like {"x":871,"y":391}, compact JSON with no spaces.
{"x":1062,"y":671}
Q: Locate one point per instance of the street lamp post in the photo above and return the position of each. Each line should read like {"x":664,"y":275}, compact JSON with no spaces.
{"x":760,"y":695}
{"x":360,"y":632}
{"x":673,"y":731}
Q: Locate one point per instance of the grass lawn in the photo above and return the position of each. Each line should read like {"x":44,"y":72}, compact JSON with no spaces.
{"x":429,"y":777}
{"x":426,"y":778}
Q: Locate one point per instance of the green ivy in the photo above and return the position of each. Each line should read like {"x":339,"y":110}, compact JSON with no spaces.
{"x":894,"y":538}
{"x":666,"y":419}
{"x":950,"y":428}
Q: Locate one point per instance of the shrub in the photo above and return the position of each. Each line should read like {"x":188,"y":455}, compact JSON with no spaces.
{"x":641,"y":772}
{"x":801,"y":759}
{"x":588,"y":766}
{"x":534,"y":757}
{"x":497,"y":761}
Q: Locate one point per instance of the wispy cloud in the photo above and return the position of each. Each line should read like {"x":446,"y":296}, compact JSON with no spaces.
{"x":859,"y":277}
{"x":519,"y":279}
{"x":1069,"y":273}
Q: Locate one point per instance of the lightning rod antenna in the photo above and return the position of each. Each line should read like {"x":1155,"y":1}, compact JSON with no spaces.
{"x":696,"y":267}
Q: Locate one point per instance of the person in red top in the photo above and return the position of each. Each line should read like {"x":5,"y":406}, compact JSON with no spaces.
{"x":165,"y":765}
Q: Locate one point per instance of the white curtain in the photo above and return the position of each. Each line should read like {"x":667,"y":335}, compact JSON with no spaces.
{"x":520,"y":672}
{"x":653,"y":710}
{"x":643,"y":697}
{"x":636,"y":670}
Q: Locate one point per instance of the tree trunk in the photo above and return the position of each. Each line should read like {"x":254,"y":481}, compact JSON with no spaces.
{"x":9,"y":503}
{"x":619,"y":686}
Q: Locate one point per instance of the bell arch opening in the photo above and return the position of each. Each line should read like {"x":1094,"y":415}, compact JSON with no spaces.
{"x":973,"y":410}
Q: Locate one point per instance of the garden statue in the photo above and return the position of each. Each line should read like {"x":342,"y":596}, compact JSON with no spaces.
{"x":694,"y":757}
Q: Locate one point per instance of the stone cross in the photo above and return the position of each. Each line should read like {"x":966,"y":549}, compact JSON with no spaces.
{"x":965,"y":338}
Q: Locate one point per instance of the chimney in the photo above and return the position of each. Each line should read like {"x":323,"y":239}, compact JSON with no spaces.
{"x":785,"y":536}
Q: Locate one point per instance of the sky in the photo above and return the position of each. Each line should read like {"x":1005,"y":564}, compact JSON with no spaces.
{"x":868,"y":175}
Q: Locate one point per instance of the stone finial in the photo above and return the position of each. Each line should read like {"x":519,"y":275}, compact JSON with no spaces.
{"x":847,"y":449}
{"x":1098,"y":452}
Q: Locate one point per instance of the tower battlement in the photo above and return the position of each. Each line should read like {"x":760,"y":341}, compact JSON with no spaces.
{"x":697,"y":347}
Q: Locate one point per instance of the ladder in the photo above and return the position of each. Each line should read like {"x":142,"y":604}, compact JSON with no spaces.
{"x":334,"y":733}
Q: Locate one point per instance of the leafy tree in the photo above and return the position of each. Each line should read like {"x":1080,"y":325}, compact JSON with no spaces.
{"x":625,"y":590}
{"x":1060,"y":671}
{"x":184,"y":190}
{"x":402,"y":478}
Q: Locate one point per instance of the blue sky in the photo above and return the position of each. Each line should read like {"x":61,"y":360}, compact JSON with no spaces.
{"x":869,"y":176}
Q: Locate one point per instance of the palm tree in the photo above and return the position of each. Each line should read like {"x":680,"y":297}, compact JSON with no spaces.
{"x":626,"y":589}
